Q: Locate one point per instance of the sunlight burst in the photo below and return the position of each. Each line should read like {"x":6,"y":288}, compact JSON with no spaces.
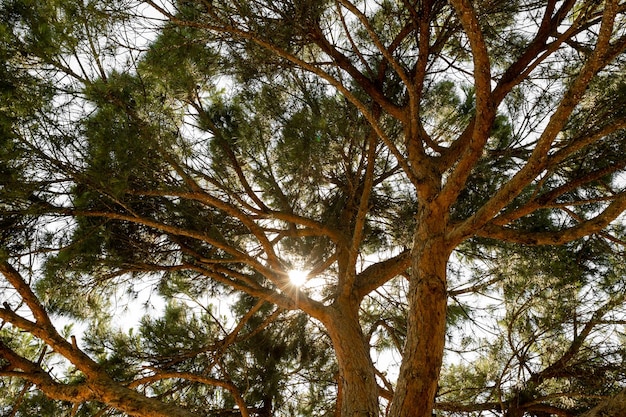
{"x":298,"y":277}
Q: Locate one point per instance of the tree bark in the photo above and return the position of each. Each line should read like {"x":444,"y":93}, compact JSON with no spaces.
{"x":357,"y":379}
{"x":134,"y":403}
{"x":426,"y":323}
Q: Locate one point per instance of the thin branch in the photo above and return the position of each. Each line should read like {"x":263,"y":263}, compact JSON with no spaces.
{"x":361,"y":215}
{"x":397,"y":66}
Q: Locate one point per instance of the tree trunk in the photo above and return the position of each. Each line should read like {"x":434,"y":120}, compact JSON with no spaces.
{"x":357,"y":380}
{"x":426,"y":324}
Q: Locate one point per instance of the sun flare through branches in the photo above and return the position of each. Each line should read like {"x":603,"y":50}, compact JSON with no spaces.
{"x":298,"y":277}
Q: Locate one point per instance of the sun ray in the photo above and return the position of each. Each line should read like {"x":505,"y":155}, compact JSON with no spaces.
{"x":298,"y":277}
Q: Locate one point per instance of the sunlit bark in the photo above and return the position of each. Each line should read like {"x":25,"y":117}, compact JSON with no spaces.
{"x":357,"y":380}
{"x":423,"y":350}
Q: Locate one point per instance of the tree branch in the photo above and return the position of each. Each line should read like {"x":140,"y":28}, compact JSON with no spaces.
{"x":98,"y":386}
{"x":591,"y":226}
{"x":188,"y":376}
{"x":485,"y":107}
{"x":34,"y":374}
{"x":539,"y":159}
{"x":376,"y":275}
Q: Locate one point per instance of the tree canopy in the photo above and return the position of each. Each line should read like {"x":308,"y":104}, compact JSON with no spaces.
{"x":448,"y":175}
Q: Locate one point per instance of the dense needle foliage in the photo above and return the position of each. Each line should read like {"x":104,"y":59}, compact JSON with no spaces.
{"x":450,"y":174}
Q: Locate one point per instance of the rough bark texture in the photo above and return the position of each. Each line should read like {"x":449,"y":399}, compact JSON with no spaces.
{"x":357,"y":380}
{"x":423,"y":350}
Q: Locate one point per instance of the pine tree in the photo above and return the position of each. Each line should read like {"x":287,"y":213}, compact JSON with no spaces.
{"x":450,"y":175}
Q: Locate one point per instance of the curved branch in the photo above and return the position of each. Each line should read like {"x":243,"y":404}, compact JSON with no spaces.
{"x":238,"y":256}
{"x":539,"y":159}
{"x":34,"y":374}
{"x":188,"y":376}
{"x":199,"y":194}
{"x":397,"y":67}
{"x":355,"y":49}
{"x":360,"y":217}
{"x":287,"y":296}
{"x":546,"y":200}
{"x":591,"y":226}
{"x":99,"y":385}
{"x":528,"y":60}
{"x":485,"y":108}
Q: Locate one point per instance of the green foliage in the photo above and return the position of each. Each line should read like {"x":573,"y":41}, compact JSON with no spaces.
{"x":195,"y":158}
{"x":22,"y":95}
{"x":280,"y":363}
{"x":549,"y":296}
{"x":180,"y":62}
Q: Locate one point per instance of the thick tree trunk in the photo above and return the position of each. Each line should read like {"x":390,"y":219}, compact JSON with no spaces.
{"x":357,"y":381}
{"x":423,"y":351}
